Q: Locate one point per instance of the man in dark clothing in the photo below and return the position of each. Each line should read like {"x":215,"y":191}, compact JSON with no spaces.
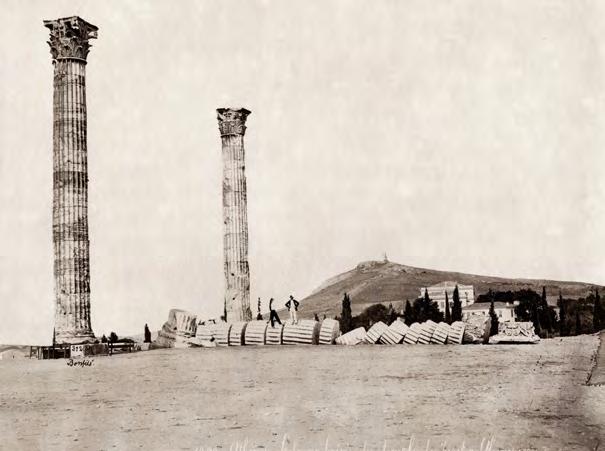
{"x":147,"y":335}
{"x":292,"y":306}
{"x":273,"y":317}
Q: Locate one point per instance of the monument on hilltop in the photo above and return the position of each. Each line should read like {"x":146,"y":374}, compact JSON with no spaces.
{"x":232,"y":126}
{"x":69,"y":48}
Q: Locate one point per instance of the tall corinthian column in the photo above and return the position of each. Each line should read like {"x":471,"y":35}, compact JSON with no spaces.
{"x":232,"y":125}
{"x":69,"y":47}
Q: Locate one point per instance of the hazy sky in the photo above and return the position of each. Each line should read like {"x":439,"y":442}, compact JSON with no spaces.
{"x":462,"y":135}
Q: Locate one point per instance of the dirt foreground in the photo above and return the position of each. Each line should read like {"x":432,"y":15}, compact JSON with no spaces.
{"x":315,"y":397}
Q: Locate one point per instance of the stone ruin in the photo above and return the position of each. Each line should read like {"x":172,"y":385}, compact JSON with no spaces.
{"x":477,"y":329}
{"x":178,"y":330}
{"x":182,"y":331}
{"x":427,"y":332}
{"x":521,"y":332}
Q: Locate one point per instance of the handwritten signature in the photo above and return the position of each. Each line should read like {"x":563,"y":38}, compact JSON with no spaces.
{"x":81,"y":363}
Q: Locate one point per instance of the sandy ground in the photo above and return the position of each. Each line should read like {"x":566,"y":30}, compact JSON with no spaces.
{"x":530,"y":396}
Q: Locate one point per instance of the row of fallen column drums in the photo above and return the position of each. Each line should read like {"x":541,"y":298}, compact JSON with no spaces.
{"x":262,"y":333}
{"x":328,"y":332}
{"x":398,"y":332}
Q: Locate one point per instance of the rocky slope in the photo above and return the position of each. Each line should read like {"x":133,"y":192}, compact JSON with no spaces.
{"x":384,"y":282}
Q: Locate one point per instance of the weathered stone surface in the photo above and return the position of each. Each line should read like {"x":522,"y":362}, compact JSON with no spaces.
{"x":212,"y":334}
{"x":235,"y":215}
{"x":306,"y":331}
{"x":521,"y":332}
{"x":413,"y":334}
{"x":399,"y":327}
{"x":69,"y":47}
{"x":375,"y":332}
{"x":393,"y":335}
{"x":237,"y":333}
{"x":441,"y":333}
{"x":352,"y":338}
{"x":456,"y":333}
{"x":476,"y":330}
{"x":180,"y":328}
{"x":256,"y":333}
{"x":274,"y":334}
{"x":329,"y":331}
{"x":425,"y":331}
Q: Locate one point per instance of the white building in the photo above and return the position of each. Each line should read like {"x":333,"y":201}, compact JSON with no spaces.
{"x":504,"y":310}
{"x":437,"y":294}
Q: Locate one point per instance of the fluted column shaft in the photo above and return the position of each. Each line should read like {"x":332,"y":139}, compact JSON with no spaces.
{"x":69,"y":46}
{"x":70,"y":202}
{"x":235,"y":215}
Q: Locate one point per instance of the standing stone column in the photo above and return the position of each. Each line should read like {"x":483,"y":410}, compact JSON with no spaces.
{"x":232,"y":125}
{"x":69,"y":47}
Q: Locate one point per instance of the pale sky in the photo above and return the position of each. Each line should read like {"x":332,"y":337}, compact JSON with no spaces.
{"x":460,"y":135}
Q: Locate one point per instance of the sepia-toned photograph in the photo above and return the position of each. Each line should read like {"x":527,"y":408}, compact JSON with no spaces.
{"x":323,"y":225}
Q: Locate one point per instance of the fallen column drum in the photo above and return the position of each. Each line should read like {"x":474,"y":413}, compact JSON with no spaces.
{"x":256,"y":333}
{"x":236,"y":334}
{"x":304,"y":332}
{"x":329,"y":331}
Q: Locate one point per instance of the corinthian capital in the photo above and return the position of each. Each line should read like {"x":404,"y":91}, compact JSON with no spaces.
{"x":69,"y":37}
{"x":232,"y":121}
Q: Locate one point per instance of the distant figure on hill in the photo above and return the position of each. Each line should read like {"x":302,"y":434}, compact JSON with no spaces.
{"x":147,"y":335}
{"x":292,"y":306}
{"x":273,"y":317}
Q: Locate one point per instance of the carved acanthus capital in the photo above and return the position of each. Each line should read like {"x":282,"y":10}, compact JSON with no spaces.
{"x":69,"y":37}
{"x":232,"y":121}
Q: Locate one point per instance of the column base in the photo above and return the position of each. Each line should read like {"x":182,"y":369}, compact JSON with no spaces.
{"x":74,"y":338}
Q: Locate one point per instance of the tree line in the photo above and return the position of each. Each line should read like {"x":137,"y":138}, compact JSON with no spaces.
{"x":576,"y":316}
{"x":422,"y":309}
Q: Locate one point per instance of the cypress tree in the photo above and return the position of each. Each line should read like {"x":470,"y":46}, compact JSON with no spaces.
{"x":544,"y":312}
{"x":494,"y":319}
{"x":578,"y":322}
{"x":457,"y":306}
{"x":448,"y":316}
{"x":346,"y":319}
{"x":535,"y":318}
{"x":408,"y":313}
{"x":597,"y":313}
{"x":563,"y":330}
{"x":392,"y":314}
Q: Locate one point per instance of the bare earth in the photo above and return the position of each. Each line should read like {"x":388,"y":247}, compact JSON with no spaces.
{"x":315,"y":397}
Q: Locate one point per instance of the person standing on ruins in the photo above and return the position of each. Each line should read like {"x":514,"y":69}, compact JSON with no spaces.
{"x":273,"y":317}
{"x":292,"y":306}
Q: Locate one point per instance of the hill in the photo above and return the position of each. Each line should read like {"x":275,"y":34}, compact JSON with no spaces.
{"x":375,"y":282}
